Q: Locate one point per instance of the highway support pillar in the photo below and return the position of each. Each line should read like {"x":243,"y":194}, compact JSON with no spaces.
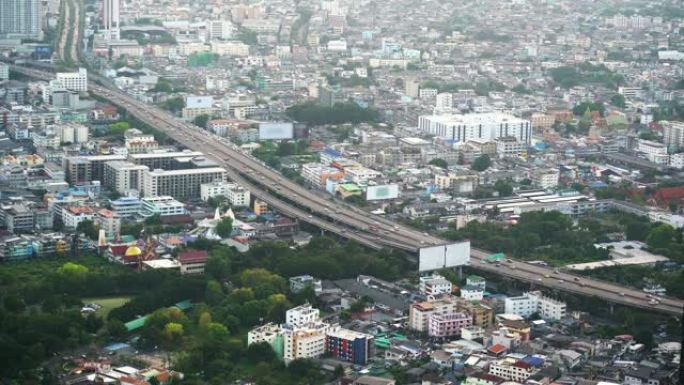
{"x":612,"y":308}
{"x":460,"y":273}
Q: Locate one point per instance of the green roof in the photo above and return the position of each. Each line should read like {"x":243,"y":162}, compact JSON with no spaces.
{"x":136,"y":323}
{"x":475,"y":278}
{"x":140,"y":322}
{"x":350,"y":187}
{"x":494,"y":257}
{"x":184,"y":305}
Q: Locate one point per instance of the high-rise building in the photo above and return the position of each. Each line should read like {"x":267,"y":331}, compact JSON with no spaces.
{"x":673,"y":135}
{"x":488,"y":126}
{"x":180,"y":184}
{"x":74,"y":81}
{"x":111,"y":18}
{"x":20,"y":19}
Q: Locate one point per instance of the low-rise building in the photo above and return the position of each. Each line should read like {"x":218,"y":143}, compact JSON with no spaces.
{"x":162,"y":206}
{"x":192,"y":261}
{"x":511,"y":369}
{"x":434,"y":285}
{"x":301,"y":282}
{"x":448,"y":324}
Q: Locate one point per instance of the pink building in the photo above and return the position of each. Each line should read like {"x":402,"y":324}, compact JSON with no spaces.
{"x":449,"y":324}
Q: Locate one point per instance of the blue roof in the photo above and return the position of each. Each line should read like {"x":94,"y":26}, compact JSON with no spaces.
{"x":598,"y":184}
{"x":331,"y":152}
{"x":534,"y":361}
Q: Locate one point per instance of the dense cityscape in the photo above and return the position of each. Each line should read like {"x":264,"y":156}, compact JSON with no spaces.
{"x":352,"y":192}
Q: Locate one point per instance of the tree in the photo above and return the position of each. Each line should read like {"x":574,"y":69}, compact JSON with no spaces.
{"x":172,"y":333}
{"x":72,"y":269}
{"x":88,"y":228}
{"x":503,"y":187}
{"x":438,"y":162}
{"x":618,"y":100}
{"x":118,"y":128}
{"x":286,"y":148}
{"x":637,"y":230}
{"x":214,"y":293}
{"x":116,"y":329}
{"x":481,"y":163}
{"x":201,"y":120}
{"x":224,"y":228}
{"x":661,"y":237}
{"x":218,"y":264}
{"x":174,"y":104}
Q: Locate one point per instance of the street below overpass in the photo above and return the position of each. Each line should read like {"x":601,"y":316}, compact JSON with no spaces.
{"x":346,"y":220}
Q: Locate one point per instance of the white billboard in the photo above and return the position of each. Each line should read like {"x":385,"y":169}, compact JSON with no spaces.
{"x":443,"y":256}
{"x":276,"y":131}
{"x":385,"y":191}
{"x":199,"y":101}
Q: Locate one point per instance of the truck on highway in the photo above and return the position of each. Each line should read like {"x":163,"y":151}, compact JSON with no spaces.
{"x":494,"y":258}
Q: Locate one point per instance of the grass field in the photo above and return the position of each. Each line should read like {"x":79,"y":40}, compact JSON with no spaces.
{"x":107,"y":303}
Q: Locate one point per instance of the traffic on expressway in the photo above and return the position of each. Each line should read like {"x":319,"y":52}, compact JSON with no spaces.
{"x":348,"y":221}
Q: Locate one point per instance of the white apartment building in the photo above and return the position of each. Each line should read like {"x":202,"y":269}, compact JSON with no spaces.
{"x":265,"y":333}
{"x":230,"y":48}
{"x":511,"y":369}
{"x":4,"y":72}
{"x":123,"y":177}
{"x":219,"y":29}
{"x":488,"y":126}
{"x":361,"y":174}
{"x":427,"y":93}
{"x":677,"y":160}
{"x":434,"y":285}
{"x":337,"y":45}
{"x":72,"y":133}
{"x":546,"y":179}
{"x":472,"y":293}
{"x":180,"y":184}
{"x":162,"y":206}
{"x":534,"y":302}
{"x":629,"y":92}
{"x":302,"y":315}
{"x":74,"y":81}
{"x":476,"y":281}
{"x":510,"y":147}
{"x":109,"y":221}
{"x":236,"y":194}
{"x":653,"y":151}
{"x":444,"y":100}
{"x":111,"y":19}
{"x":304,"y":343}
{"x":472,"y":332}
{"x":72,"y":216}
{"x":673,"y":134}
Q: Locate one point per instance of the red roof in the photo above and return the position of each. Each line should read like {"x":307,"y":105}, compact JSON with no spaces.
{"x":192,"y":256}
{"x":667,"y":194}
{"x":176,"y":219}
{"x":118,"y":250}
{"x":497,"y":349}
{"x":522,"y":364}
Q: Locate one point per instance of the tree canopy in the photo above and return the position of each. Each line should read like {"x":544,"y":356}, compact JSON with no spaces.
{"x":481,"y":163}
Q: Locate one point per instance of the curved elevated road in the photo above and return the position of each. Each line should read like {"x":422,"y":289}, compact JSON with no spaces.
{"x":349,"y":221}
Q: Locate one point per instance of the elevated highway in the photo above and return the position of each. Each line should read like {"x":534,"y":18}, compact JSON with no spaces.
{"x":349,"y":221}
